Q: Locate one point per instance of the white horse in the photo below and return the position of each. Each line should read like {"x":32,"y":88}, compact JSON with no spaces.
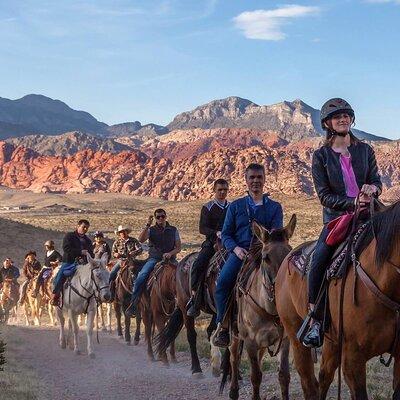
{"x":87,"y":287}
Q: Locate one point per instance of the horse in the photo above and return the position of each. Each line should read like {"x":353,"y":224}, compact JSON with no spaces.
{"x":156,"y":305}
{"x":257,"y":322}
{"x":81,"y":293}
{"x":180,"y":318}
{"x":32,"y":304}
{"x":9,"y":298}
{"x":364,"y":308}
{"x":123,"y":292}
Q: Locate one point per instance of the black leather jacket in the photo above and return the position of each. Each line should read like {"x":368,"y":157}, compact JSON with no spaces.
{"x":328,"y":178}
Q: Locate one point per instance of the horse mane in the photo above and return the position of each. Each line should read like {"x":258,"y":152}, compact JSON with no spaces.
{"x":386,"y":228}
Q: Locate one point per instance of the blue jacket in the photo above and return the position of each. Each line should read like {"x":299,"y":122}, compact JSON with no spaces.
{"x":237,"y":225}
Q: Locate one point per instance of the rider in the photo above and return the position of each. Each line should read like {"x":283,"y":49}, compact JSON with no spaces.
{"x":124,"y":247}
{"x":101,"y":246}
{"x":164,"y":244}
{"x":9,"y":271}
{"x":211,"y":220}
{"x":51,"y":260}
{"x":237,"y":237}
{"x":76,"y":245}
{"x":342,"y":169}
{"x":31,"y":269}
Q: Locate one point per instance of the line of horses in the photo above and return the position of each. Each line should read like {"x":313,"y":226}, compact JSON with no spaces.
{"x":270,"y":304}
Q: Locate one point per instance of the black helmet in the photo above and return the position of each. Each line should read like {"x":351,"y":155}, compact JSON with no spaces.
{"x":99,"y":234}
{"x":335,"y":106}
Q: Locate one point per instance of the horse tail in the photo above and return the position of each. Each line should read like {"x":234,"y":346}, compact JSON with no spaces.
{"x":170,"y":332}
{"x":226,"y":370}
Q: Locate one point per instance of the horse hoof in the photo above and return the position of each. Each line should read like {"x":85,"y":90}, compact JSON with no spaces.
{"x":63,"y":345}
{"x":120,"y":336}
{"x":104,"y":329}
{"x":128,"y":343}
{"x":77,"y":352}
{"x":216,"y":372}
{"x":197,"y":375}
{"x":136,"y":342}
{"x":92,"y":356}
{"x":234,"y":394}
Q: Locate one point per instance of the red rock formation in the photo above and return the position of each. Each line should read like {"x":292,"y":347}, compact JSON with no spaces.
{"x":181,"y":165}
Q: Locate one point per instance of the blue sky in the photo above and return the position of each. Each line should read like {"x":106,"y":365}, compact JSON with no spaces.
{"x":149,"y":60}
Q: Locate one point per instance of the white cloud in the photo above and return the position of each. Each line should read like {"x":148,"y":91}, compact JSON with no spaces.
{"x":267,"y":24}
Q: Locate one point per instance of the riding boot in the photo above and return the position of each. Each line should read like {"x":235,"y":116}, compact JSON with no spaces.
{"x":132,"y":309}
{"x":313,"y":337}
{"x":221,"y":337}
{"x":195,"y":303}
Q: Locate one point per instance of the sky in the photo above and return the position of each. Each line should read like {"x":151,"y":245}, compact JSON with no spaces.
{"x":150,"y":60}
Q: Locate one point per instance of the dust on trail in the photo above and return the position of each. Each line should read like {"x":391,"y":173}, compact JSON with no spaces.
{"x":118,"y":372}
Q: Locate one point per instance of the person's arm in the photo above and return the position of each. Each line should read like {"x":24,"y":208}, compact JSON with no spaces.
{"x":177,"y":246}
{"x":205,"y":223}
{"x":16,"y":273}
{"x":229,"y":229}
{"x":277,"y":219}
{"x":321,"y":183}
{"x":144,"y":235}
{"x":373,"y":174}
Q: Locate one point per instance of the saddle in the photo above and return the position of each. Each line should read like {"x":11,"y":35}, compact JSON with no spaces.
{"x":301,"y":256}
{"x":157,"y":271}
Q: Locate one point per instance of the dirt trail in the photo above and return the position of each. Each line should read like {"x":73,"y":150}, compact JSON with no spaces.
{"x":118,"y":372}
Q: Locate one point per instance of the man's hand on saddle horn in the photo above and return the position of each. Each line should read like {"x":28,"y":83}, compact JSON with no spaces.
{"x":240,"y":252}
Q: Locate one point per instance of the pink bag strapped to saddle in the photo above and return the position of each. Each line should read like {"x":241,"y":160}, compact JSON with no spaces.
{"x":339,"y":229}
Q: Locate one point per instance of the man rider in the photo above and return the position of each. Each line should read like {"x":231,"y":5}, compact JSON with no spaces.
{"x":30,"y":269}
{"x":76,"y":245}
{"x":237,"y":237}
{"x":124,"y":247}
{"x":9,"y":271}
{"x":51,"y":260}
{"x":211,"y":221}
{"x":164,"y":244}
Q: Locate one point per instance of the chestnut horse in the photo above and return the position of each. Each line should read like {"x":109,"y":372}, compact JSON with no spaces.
{"x":369,"y":322}
{"x":9,"y":296}
{"x":123,"y":291}
{"x":179,"y":317}
{"x":157,"y":304}
{"x":258,"y":323}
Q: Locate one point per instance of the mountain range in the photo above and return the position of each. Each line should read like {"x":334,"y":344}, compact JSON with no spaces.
{"x":37,"y":114}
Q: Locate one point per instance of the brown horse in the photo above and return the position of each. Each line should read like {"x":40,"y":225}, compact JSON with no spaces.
{"x":369,"y":321}
{"x":9,"y":296}
{"x":123,"y":291}
{"x":179,"y":317}
{"x":258,"y":323}
{"x":157,"y":304}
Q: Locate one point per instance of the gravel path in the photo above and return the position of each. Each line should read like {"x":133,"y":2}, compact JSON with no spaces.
{"x":118,"y":372}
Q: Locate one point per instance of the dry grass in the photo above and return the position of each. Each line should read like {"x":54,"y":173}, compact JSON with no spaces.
{"x":17,"y":381}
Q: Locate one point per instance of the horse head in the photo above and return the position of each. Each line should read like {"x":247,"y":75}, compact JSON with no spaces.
{"x":100,"y":277}
{"x":274,"y":248}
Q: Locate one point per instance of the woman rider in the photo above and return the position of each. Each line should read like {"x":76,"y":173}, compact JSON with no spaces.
{"x":342,"y":169}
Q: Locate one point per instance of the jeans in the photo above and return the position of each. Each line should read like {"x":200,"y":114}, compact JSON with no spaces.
{"x":225,"y":283}
{"x":65,"y":271}
{"x":319,"y":264}
{"x":199,"y":267}
{"x":142,"y":278}
{"x":114,"y":271}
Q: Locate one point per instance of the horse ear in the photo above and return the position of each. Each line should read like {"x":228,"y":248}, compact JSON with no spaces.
{"x":89,"y":258}
{"x":261,"y":233}
{"x":291,"y":226}
{"x":104,"y":260}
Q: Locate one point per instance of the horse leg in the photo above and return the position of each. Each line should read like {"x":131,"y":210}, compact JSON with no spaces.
{"x":396,"y":379}
{"x":284,"y":369}
{"x":215,"y":352}
{"x":192,"y":338}
{"x":329,"y":364}
{"x":26,"y":310}
{"x":354,"y":371}
{"x":148,"y":323}
{"x":36,"y":313}
{"x":305,"y":367}
{"x":109,"y":315}
{"x":75,"y":329}
{"x":117,"y":308}
{"x":137,"y":331}
{"x":127,"y":321}
{"x":89,"y":333}
{"x":256,"y":375}
{"x":160,"y":325}
{"x":103,"y":323}
{"x":61,"y":319}
{"x":234,"y":360}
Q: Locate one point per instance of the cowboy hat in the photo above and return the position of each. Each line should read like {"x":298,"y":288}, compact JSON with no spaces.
{"x":123,"y":228}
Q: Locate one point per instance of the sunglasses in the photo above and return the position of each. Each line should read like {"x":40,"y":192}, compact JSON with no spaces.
{"x":161,"y":216}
